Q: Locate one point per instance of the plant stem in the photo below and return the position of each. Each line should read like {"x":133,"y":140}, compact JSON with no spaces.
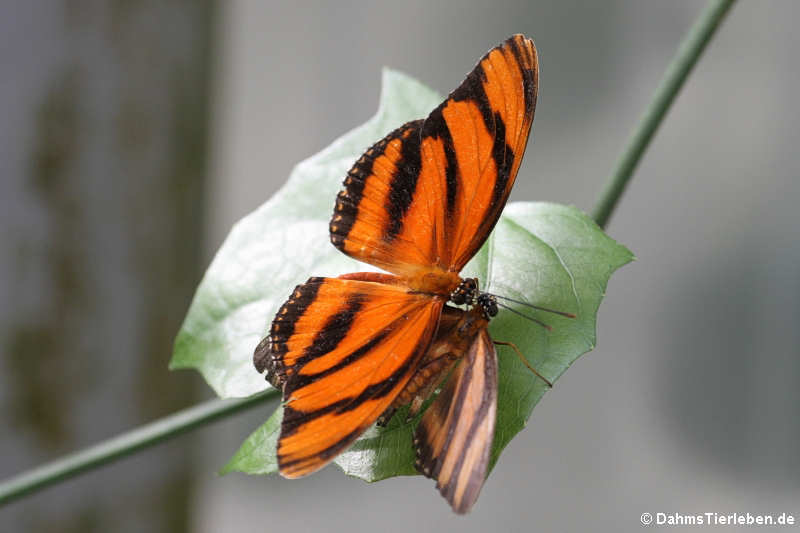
{"x":678,"y":70}
{"x":166,"y":428}
{"x":126,"y":444}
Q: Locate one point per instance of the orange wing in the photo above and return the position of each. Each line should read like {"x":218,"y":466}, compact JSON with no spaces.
{"x":430,"y":193}
{"x":454,"y":438}
{"x":342,"y":349}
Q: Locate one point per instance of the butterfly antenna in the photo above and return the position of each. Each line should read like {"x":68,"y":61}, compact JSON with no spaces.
{"x":525,"y":361}
{"x":540,"y":308}
{"x":523,"y":315}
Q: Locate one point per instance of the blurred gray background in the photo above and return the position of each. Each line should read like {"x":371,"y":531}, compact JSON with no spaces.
{"x":135,"y":134}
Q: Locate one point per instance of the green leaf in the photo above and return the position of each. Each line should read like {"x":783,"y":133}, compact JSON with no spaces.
{"x":545,"y":254}
{"x":572,"y":260}
{"x":257,"y":454}
{"x":279,"y":245}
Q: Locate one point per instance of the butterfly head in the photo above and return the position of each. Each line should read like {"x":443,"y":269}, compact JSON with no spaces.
{"x":488,"y":305}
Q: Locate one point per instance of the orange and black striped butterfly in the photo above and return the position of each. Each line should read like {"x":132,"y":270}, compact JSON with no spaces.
{"x":418,"y":204}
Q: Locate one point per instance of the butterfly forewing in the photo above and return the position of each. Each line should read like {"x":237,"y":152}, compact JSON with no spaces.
{"x":488,"y":119}
{"x":454,"y":437}
{"x":345,"y":349}
{"x":430,"y":193}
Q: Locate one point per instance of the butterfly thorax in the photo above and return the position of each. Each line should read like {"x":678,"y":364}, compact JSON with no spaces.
{"x":467,"y":293}
{"x":433,"y":280}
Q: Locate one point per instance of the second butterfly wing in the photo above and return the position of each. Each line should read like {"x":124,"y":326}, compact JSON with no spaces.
{"x":341,"y":349}
{"x":424,"y":199}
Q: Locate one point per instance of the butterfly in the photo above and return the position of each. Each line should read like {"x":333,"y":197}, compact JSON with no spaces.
{"x":348,"y":351}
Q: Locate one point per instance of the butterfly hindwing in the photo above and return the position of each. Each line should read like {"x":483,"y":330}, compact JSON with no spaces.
{"x":342,"y":349}
{"x":430,"y":193}
{"x":377,"y":192}
{"x":454,"y":437}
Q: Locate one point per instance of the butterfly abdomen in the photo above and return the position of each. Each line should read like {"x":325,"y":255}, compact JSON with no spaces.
{"x":424,"y":382}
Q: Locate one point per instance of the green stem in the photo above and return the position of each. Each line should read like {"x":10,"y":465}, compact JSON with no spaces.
{"x":194,"y":417}
{"x":686,"y":57}
{"x":126,"y":444}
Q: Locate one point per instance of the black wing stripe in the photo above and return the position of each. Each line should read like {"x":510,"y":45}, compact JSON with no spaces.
{"x":403,"y":186}
{"x":334,"y":331}
{"x":301,"y":380}
{"x":436,"y":127}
